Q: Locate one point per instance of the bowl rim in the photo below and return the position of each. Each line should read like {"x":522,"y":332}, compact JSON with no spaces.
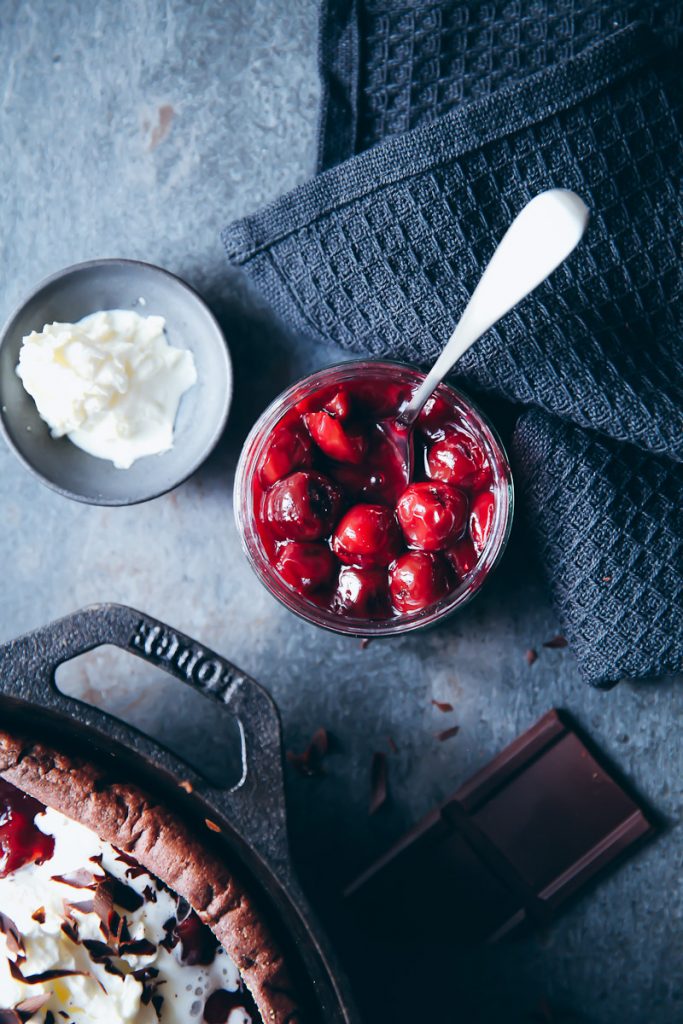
{"x":227,"y":397}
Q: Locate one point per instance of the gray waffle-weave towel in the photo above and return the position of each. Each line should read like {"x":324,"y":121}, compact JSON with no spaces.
{"x":495,"y":102}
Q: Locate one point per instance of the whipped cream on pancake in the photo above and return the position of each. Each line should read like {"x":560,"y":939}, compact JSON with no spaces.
{"x":88,"y":936}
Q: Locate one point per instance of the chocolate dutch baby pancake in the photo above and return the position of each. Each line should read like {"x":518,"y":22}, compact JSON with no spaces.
{"x":112,"y":909}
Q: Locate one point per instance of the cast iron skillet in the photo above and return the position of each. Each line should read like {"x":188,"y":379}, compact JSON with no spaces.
{"x":251,"y":816}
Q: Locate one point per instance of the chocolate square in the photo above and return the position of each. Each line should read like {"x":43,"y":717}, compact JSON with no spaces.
{"x":512,"y":844}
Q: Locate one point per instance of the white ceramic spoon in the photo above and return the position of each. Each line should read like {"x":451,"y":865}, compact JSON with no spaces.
{"x":540,"y":237}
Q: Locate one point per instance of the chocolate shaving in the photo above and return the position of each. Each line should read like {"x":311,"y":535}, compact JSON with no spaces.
{"x":138,"y":947}
{"x":23,"y":1011}
{"x":170,"y":939}
{"x":211,"y":825}
{"x":446,"y":734}
{"x":80,"y":879}
{"x":83,"y":906}
{"x":103,"y":906}
{"x":126,"y":858}
{"x":309,"y":762}
{"x":556,"y":642}
{"x":42,"y":977}
{"x":186,"y":785}
{"x":378,"y":781}
{"x":134,"y":868}
{"x":99,"y":951}
{"x":443,"y":705}
{"x":33,"y":1004}
{"x":121,"y":894}
{"x":38,"y":915}
{"x":70,"y":929}
{"x":120,"y":932}
{"x":145,"y":974}
{"x":531,"y":656}
{"x":13,"y":937}
{"x":365,"y":643}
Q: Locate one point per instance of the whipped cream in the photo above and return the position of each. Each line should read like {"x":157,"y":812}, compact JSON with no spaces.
{"x":34,"y":900}
{"x":111,"y":383}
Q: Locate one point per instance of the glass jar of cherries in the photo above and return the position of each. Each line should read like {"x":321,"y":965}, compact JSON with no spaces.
{"x":333,"y":526}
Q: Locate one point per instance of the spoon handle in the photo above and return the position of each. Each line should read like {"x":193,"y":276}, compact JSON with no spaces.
{"x":540,"y":237}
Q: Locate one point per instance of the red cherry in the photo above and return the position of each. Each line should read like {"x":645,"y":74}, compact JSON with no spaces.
{"x":435,"y":414}
{"x":289,"y":448}
{"x":198,"y":944}
{"x":462,"y":557}
{"x":362,"y":593}
{"x":481,"y":519}
{"x":380,"y":399}
{"x":458,"y":459}
{"x":220,"y":1004}
{"x":339,"y":406}
{"x":380,"y":479}
{"x":432,"y":514}
{"x":303,"y":506}
{"x":418,"y":579}
{"x":21,"y":841}
{"x":337,"y":442}
{"x":306,"y":566}
{"x":368,"y":536}
{"x":315,"y":401}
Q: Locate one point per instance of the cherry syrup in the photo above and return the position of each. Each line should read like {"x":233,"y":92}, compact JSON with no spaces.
{"x":21,"y":841}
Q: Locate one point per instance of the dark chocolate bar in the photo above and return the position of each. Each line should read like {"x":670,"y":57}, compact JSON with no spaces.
{"x":511,"y":845}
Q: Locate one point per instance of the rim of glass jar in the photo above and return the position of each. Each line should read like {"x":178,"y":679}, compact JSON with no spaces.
{"x":468,"y":587}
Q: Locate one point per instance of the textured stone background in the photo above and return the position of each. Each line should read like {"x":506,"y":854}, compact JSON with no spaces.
{"x":137,"y":128}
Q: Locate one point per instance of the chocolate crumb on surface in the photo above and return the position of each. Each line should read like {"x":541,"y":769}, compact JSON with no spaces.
{"x":309,"y":762}
{"x":531,"y":656}
{"x":556,"y":642}
{"x":446,"y":734}
{"x":443,"y":706}
{"x":378,"y":781}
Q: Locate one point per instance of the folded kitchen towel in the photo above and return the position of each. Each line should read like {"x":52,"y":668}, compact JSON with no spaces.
{"x":381,"y":253}
{"x":391,"y":65}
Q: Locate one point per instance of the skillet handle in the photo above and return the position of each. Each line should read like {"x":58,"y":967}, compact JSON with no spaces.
{"x":255,"y":806}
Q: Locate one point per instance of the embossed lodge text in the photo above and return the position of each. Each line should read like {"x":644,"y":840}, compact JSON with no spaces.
{"x":186,"y":659}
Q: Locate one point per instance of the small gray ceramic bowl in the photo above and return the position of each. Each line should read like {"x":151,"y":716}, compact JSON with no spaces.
{"x":117,"y":284}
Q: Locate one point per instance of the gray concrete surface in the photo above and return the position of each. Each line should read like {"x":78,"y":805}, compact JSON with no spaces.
{"x":137,"y":128}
